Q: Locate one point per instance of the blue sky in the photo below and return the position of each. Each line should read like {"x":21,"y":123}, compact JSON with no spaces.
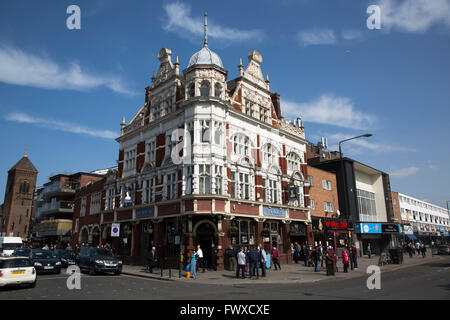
{"x":63,"y":92}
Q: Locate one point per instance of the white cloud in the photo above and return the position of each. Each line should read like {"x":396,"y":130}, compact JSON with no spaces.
{"x":26,"y":69}
{"x":330,"y":110}
{"x":180,"y":21}
{"x":415,"y":16}
{"x":316,"y":36}
{"x":60,"y":125}
{"x":352,"y":34}
{"x":363,"y":143}
{"x":405,"y":172}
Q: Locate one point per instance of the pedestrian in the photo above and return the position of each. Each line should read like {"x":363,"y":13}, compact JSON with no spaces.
{"x":369,"y":250}
{"x":316,"y":255}
{"x":151,"y":259}
{"x":229,"y":253}
{"x":296,"y":252}
{"x":201,"y":261}
{"x":330,"y":262}
{"x":418,"y":247}
{"x":254,"y":257}
{"x":263,"y":260}
{"x":292,"y":250}
{"x":423,"y":250}
{"x":276,"y":258}
{"x":45,"y":247}
{"x":355,"y":257}
{"x":247,"y":260}
{"x":213,"y":257}
{"x":345,"y":261}
{"x":305,"y":254}
{"x":410,"y":250}
{"x":241,"y":263}
{"x":322,"y":255}
{"x":193,"y":267}
{"x":335,"y":257}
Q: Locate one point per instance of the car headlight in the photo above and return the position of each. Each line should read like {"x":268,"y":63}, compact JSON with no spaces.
{"x":63,"y":260}
{"x":120,"y":261}
{"x":38,"y":264}
{"x":58,"y":263}
{"x":99,"y":261}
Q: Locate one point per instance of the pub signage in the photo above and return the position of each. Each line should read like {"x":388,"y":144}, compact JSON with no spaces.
{"x":274,"y":212}
{"x":390,"y":228}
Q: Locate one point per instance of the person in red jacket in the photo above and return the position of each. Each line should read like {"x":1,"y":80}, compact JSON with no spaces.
{"x":276,"y":258}
{"x":345,"y":260}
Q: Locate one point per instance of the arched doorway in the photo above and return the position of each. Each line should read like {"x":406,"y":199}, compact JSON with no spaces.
{"x":106,"y":235}
{"x":206,"y":235}
{"x":95,"y":236}
{"x":84,"y":236}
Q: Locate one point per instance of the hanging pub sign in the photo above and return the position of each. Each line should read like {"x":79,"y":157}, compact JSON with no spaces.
{"x":293,"y":193}
{"x":127,"y":196}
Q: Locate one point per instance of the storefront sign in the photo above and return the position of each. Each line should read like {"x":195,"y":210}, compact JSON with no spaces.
{"x":145,"y":213}
{"x":442,"y":229}
{"x":368,"y":228}
{"x":115,"y":229}
{"x":408,"y":229}
{"x":390,"y":228}
{"x":274,"y":212}
{"x":331,"y":224}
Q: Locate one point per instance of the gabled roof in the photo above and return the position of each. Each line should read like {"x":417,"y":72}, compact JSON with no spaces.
{"x":24,"y":164}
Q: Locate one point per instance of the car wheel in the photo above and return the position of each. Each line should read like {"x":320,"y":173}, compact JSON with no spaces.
{"x":117,"y":273}
{"x":91,"y":270}
{"x":58,"y":271}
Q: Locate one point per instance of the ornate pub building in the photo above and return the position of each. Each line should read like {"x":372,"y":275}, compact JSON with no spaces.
{"x":206,"y":160}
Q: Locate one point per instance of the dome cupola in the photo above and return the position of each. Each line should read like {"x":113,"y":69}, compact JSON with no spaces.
{"x":205,"y":55}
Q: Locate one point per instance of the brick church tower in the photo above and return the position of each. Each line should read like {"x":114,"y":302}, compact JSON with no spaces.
{"x":18,"y":202}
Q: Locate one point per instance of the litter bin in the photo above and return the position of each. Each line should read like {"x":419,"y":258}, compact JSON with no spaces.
{"x":396,"y":255}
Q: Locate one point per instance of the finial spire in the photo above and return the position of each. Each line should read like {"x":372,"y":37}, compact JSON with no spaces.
{"x":25,"y":154}
{"x":205,"y":41}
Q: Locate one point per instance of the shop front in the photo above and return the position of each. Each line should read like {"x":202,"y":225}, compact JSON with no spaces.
{"x":379,"y":235}
{"x":297,"y":232}
{"x":331,"y":232}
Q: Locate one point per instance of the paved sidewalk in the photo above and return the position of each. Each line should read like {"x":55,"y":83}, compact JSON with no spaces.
{"x":289,"y":273}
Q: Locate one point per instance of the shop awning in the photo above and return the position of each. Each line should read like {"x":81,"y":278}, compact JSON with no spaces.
{"x":410,"y":237}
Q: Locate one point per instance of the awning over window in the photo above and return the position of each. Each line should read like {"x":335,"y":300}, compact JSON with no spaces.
{"x":410,"y":237}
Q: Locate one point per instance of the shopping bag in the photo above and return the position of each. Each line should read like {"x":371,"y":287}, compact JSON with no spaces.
{"x":246,"y":269}
{"x":188,"y":268}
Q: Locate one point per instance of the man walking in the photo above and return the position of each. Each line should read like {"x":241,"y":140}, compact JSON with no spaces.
{"x":254,"y":257}
{"x":213,"y":257}
{"x":316,"y":255}
{"x":241,"y":262}
{"x":355,"y":257}
{"x":151,"y":259}
{"x":230,"y":257}
{"x":369,"y":250}
{"x":296,"y":252}
{"x":199,"y":254}
{"x":305,"y":254}
{"x":418,"y":247}
{"x":423,"y":249}
{"x":262,"y":263}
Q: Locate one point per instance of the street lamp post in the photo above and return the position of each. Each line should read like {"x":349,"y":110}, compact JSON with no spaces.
{"x":345,"y":179}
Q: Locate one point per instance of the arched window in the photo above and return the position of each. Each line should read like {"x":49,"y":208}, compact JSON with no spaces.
{"x":24,"y":187}
{"x":241,"y":145}
{"x":205,"y":179}
{"x":270,"y":153}
{"x":217,"y":90}
{"x":205,"y":89}
{"x":293,"y":161}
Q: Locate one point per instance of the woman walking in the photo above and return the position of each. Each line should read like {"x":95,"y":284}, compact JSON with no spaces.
{"x":345,"y":260}
{"x":193,"y":267}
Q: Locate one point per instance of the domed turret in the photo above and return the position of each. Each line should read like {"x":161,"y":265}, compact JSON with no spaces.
{"x":205,"y":55}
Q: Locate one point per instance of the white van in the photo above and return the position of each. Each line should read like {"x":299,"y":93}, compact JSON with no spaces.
{"x":9,"y":244}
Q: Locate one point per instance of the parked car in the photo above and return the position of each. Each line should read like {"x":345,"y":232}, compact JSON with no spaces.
{"x":444,"y":249}
{"x":22,"y":252}
{"x":95,"y":260}
{"x":45,"y":261}
{"x":15,"y":271}
{"x":67,"y":257}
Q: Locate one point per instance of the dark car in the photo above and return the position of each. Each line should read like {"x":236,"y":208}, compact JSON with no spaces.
{"x":67,"y":257}
{"x":444,"y":249}
{"x":45,"y":261}
{"x":22,"y":252}
{"x":99,"y":260}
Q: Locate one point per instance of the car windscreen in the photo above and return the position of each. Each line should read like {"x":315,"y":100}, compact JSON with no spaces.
{"x":11,"y":246}
{"x":43,"y":255}
{"x":15,"y":263}
{"x":105,"y":253}
{"x":65,"y":254}
{"x":21,"y":252}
